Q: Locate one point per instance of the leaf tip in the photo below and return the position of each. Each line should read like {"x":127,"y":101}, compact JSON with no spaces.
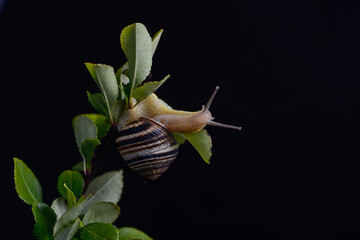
{"x":158,"y":33}
{"x":27,"y":185}
{"x":15,"y":159}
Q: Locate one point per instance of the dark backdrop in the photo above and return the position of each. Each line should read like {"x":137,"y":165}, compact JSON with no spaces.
{"x":288,"y":74}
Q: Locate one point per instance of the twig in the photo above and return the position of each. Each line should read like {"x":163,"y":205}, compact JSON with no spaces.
{"x":99,"y":156}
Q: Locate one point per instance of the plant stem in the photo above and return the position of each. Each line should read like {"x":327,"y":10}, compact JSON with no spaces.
{"x":100,"y":154}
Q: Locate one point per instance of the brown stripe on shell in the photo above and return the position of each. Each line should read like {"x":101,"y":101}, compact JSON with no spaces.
{"x":148,"y":148}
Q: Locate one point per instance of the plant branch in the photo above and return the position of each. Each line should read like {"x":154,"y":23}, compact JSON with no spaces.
{"x":99,"y":155}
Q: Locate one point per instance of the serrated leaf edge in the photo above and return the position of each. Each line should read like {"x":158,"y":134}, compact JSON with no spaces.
{"x":84,"y":115}
{"x":102,"y":90}
{"x":207,"y":160}
{"x":16,"y":187}
{"x":85,"y":228}
{"x":101,"y":202}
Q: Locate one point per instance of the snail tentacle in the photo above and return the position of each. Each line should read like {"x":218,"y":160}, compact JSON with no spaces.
{"x":145,"y":139}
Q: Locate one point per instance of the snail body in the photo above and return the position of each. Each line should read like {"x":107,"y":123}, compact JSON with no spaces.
{"x":145,"y":137}
{"x":174,"y":120}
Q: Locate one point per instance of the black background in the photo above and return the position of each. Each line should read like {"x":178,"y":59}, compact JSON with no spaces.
{"x":289,"y":76}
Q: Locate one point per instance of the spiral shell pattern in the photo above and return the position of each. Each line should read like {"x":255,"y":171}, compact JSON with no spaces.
{"x":147,"y":147}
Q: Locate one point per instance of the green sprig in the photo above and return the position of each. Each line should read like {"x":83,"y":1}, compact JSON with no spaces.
{"x":88,"y":206}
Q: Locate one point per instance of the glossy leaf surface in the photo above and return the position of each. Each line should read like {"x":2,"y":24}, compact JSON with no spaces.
{"x":84,"y":129}
{"x":201,"y":141}
{"x":129,"y":233}
{"x":68,"y":217}
{"x":106,"y":212}
{"x":69,"y":231}
{"x":71,"y":199}
{"x":105,"y":188}
{"x":137,"y":46}
{"x":97,"y":101}
{"x":155,"y":40}
{"x":73,"y":180}
{"x":59,"y":206}
{"x":148,"y":88}
{"x":105,"y":78}
{"x":26,"y":184}
{"x":87,"y":150}
{"x":98,"y":231}
{"x":45,"y":219}
{"x":86,"y":138}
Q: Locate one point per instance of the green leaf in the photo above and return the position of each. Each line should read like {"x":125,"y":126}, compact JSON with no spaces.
{"x":129,"y":233}
{"x":117,"y":110}
{"x":145,"y":90}
{"x":97,"y":101}
{"x":123,"y":75}
{"x":71,"y":199}
{"x":137,"y":46}
{"x":84,"y":129}
{"x":201,"y":141}
{"x":87,"y":128}
{"x":106,"y":212}
{"x":127,"y":88}
{"x":98,"y":231}
{"x":119,"y":72}
{"x":78,"y":167}
{"x":81,"y":199}
{"x":122,"y":80}
{"x":105,"y":188}
{"x":107,"y":83}
{"x":124,"y":96}
{"x":105,"y":78}
{"x":26,"y":184}
{"x":179,"y":138}
{"x":87,"y":149}
{"x":59,"y":206}
{"x":73,"y":180}
{"x":45,"y":219}
{"x":91,"y":68}
{"x":68,"y":217}
{"x":69,"y":231}
{"x":155,"y":40}
{"x":101,"y":123}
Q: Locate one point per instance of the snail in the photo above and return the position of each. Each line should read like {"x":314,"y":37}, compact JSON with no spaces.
{"x":145,"y":138}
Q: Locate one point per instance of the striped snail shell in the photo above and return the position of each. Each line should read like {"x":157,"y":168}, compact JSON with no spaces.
{"x":147,"y":147}
{"x":145,"y":139}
